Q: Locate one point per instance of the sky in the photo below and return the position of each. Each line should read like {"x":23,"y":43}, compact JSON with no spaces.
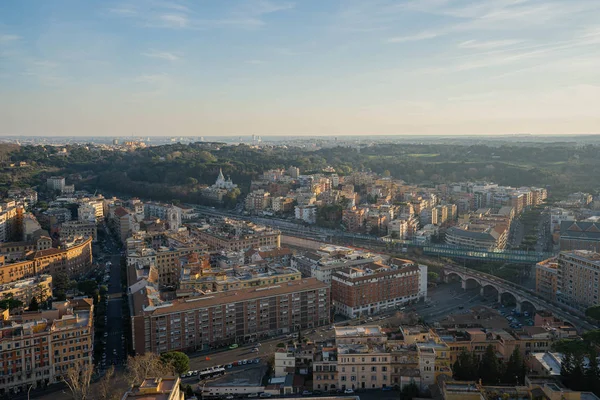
{"x":271,"y":67}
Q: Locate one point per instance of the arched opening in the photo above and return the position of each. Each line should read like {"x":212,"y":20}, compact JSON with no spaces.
{"x":471,"y":283}
{"x":508,"y":299}
{"x":490,"y":291}
{"x":453,"y":277}
{"x":527,"y":308}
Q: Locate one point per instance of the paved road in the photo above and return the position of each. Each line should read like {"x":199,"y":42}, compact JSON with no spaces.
{"x":115,"y":349}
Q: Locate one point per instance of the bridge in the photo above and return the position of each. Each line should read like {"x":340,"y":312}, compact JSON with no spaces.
{"x":523,"y":297}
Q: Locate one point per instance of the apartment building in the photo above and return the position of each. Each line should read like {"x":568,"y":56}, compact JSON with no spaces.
{"x":282,"y":204}
{"x":546,"y":278}
{"x":325,"y":369}
{"x":74,"y":258}
{"x":307,"y":214}
{"x":73,"y":229}
{"x":363,"y":366}
{"x":258,"y":200}
{"x":354,"y":219}
{"x":37,"y":348}
{"x":239,"y":277}
{"x":478,"y":236}
{"x":56,"y":183}
{"x":222,"y":318}
{"x":10,"y":217}
{"x":577,"y":278}
{"x":377,"y":287}
{"x":161,"y":388}
{"x":91,"y":211}
{"x":323,"y":267}
{"x":233,"y":235}
{"x":24,"y":290}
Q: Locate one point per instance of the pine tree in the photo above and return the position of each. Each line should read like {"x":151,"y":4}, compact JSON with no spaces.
{"x":577,"y":379}
{"x":515,"y":368}
{"x":592,"y":373}
{"x":465,"y":367}
{"x":489,"y":368}
{"x":34,"y":305}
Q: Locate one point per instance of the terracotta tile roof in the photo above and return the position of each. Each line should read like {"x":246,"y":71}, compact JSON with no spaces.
{"x":121,"y":212}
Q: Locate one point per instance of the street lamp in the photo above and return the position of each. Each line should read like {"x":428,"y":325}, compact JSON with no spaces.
{"x":29,"y":390}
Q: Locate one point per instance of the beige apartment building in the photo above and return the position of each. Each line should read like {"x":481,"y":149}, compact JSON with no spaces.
{"x":546,"y":278}
{"x":73,"y":229}
{"x":37,"y":348}
{"x":577,"y":278}
{"x":237,"y":235}
{"x":24,"y":290}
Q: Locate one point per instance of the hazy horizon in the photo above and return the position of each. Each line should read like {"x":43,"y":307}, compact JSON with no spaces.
{"x":284,"y":68}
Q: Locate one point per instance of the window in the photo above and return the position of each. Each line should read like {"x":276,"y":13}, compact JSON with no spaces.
{"x":373,"y":369}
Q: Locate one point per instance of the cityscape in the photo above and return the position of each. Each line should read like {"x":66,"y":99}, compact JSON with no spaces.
{"x":255,"y":199}
{"x":328,"y":282}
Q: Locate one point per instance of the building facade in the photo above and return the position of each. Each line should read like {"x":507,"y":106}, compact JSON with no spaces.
{"x":546,"y":278}
{"x":229,"y":317}
{"x":38,"y":348}
{"x":577,"y":278}
{"x":376,"y":287}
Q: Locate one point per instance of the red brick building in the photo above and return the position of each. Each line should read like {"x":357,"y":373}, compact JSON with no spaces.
{"x":376,"y":287}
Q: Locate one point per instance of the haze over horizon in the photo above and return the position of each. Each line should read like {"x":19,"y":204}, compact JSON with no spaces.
{"x":184,"y":68}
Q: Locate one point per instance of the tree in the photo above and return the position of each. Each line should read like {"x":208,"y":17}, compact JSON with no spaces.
{"x":593,"y":312}
{"x":178,"y":360}
{"x":489,"y":368}
{"x":8,"y":303}
{"x":515,"y":368}
{"x":147,"y":365}
{"x":432,"y":276}
{"x":409,"y":391}
{"x":465,"y":367}
{"x":78,"y":380}
{"x":105,"y":388}
{"x":33,"y":304}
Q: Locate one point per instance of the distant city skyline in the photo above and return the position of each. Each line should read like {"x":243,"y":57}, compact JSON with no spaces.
{"x":277,"y":68}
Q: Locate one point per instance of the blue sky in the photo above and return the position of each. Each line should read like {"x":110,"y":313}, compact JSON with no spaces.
{"x":207,"y":67}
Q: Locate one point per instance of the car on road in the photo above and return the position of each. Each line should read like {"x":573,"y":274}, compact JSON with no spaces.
{"x":228,"y":366}
{"x":234,"y":346}
{"x":265,"y":395}
{"x":229,"y":397}
{"x":244,"y":362}
{"x":251,"y":395}
{"x":256,"y":361}
{"x":255,"y":350}
{"x":306,"y":393}
{"x":349,"y":391}
{"x":387,"y":388}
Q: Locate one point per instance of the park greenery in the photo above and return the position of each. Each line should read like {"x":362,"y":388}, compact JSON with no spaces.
{"x":177,"y":171}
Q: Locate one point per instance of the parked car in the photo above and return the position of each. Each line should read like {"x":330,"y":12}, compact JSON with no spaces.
{"x":265,"y":395}
{"x":387,"y":389}
{"x":244,"y":362}
{"x":306,"y":393}
{"x":255,"y":350}
{"x":251,"y":395}
{"x":233,"y":346}
{"x":349,"y":391}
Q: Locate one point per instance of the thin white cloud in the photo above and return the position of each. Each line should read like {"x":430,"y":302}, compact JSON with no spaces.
{"x":493,"y":44}
{"x":413,"y":38}
{"x":163,"y":55}
{"x":153,"y":79}
{"x":7,"y":38}
{"x":174,"y":20}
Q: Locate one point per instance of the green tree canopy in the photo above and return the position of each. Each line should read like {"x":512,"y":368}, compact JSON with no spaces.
{"x":178,"y":360}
